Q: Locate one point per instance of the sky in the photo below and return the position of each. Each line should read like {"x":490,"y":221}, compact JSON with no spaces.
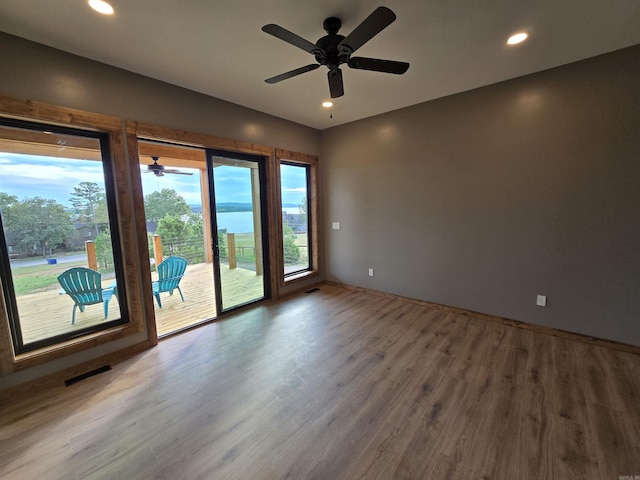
{"x":27,"y":176}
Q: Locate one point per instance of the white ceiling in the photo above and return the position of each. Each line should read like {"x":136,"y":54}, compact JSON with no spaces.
{"x":217,"y":47}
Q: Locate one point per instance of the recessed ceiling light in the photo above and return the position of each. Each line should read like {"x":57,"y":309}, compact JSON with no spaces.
{"x":517,"y":38}
{"x":101,"y":6}
{"x":327,"y":104}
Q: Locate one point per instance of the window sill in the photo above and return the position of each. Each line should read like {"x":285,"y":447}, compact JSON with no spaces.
{"x":63,"y":349}
{"x":299,"y":276}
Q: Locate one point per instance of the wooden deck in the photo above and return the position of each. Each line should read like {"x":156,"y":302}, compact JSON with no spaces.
{"x":47,"y":313}
{"x":239,"y":286}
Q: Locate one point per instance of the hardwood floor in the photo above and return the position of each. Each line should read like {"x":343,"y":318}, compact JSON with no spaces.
{"x":339,"y":384}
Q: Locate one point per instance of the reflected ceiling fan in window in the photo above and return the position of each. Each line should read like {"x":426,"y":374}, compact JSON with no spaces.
{"x":160,"y":170}
{"x":334,"y":50}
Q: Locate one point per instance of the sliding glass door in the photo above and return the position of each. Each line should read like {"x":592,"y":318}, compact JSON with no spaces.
{"x":237,"y":186}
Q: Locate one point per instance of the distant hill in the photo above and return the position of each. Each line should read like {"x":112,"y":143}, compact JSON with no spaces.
{"x":233,"y":207}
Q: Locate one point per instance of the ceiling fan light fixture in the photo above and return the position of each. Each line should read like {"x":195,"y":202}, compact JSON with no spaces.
{"x":327,"y":104}
{"x":101,"y":6}
{"x":517,"y":38}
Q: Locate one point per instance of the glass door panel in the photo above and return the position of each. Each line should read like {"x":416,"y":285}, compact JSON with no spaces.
{"x":176,"y":200}
{"x":237,"y":186}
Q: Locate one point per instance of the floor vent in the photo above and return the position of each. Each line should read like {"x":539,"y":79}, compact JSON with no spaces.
{"x":312,"y":290}
{"x":73,"y":380}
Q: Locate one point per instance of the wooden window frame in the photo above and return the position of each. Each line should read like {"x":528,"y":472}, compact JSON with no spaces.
{"x":310,"y":161}
{"x":124,"y":174}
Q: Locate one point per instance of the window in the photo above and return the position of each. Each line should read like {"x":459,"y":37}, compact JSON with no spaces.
{"x":295,"y":218}
{"x":60,"y":261}
{"x":298,"y":194}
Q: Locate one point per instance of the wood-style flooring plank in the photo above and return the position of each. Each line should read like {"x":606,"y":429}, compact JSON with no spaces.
{"x":338,"y":384}
{"x":575,"y":456}
{"x":625,"y":385}
{"x":409,"y":441}
{"x":614,"y":451}
{"x":355,"y":448}
{"x":537,"y":442}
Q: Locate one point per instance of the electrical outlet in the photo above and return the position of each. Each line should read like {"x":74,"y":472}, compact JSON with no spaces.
{"x":335,"y":225}
{"x":541,"y":301}
{"x":371,"y":272}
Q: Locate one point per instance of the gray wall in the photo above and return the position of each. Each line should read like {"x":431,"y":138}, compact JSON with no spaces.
{"x":32,"y":71}
{"x":485,"y":199}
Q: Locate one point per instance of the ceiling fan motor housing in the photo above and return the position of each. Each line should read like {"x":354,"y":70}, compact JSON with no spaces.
{"x":329,"y":54}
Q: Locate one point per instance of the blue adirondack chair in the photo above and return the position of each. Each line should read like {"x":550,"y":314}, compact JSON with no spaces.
{"x":170,"y":272}
{"x":84,"y":286}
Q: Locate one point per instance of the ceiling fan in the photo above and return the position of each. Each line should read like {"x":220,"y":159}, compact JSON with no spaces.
{"x":159,"y":170}
{"x":334,"y":50}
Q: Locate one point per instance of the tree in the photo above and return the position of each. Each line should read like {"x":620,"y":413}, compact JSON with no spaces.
{"x":89,"y":203}
{"x":104,"y":249}
{"x":174,"y":230}
{"x":193,"y":247}
{"x":165,"y":202}
{"x":6,"y":201}
{"x":222,"y":243}
{"x":39,"y":222}
{"x":6,"y":214}
{"x":291,"y":250}
{"x":302,"y":208}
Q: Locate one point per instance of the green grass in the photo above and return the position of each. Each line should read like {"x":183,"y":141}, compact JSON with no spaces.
{"x":245,"y":240}
{"x":33,"y":283}
{"x":36,"y":278}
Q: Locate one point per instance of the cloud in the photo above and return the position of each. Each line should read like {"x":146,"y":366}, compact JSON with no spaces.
{"x":27,"y":176}
{"x":49,"y":173}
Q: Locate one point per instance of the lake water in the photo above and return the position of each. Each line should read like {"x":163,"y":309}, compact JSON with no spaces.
{"x":236,"y":222}
{"x":242,"y":222}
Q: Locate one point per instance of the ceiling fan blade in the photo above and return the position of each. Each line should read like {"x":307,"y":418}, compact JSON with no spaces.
{"x":381,"y":18}
{"x":292,"y":73}
{"x":290,"y":37}
{"x":336,"y":87}
{"x":176,"y":172}
{"x":378,"y":65}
